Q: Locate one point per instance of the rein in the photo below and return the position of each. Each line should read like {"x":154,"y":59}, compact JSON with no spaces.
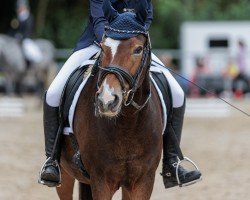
{"x":123,"y":75}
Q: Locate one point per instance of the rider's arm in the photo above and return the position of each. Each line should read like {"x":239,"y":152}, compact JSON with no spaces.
{"x":99,"y":20}
{"x":150,"y":15}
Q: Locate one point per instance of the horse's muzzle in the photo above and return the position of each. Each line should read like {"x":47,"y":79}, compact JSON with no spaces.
{"x":107,"y":105}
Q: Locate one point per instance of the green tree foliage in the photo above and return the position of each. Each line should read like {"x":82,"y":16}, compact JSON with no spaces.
{"x":170,"y":14}
{"x":64,"y":20}
{"x":7,"y":12}
{"x":167,"y":18}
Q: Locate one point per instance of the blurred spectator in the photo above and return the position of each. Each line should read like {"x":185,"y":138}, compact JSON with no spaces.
{"x":22,"y":28}
{"x":241,"y":82}
{"x":172,"y":65}
{"x":201,"y":70}
{"x":232,"y":70}
{"x":167,"y":59}
{"x":241,"y":56}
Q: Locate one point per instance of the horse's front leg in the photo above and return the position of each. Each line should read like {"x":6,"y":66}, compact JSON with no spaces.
{"x":10,"y":83}
{"x":65,"y":192}
{"x":102,"y":190}
{"x":142,"y":190}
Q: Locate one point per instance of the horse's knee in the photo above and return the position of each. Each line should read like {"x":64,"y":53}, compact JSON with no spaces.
{"x":141,"y":190}
{"x":85,"y":192}
{"x":101,"y":190}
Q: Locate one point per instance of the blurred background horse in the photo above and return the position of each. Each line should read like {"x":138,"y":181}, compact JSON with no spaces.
{"x":17,"y":74}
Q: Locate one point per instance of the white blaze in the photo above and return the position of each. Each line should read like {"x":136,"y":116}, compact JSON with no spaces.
{"x":113,"y":44}
{"x":107,"y":93}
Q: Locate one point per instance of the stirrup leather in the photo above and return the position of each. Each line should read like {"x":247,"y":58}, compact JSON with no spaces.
{"x":50,"y":183}
{"x":186,"y":159}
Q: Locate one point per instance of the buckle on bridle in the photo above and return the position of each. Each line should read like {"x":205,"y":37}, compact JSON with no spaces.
{"x":128,"y":97}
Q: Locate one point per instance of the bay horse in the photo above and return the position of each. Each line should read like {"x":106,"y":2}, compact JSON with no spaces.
{"x":118,"y":126}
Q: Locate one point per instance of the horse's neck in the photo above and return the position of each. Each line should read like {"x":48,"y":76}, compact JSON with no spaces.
{"x":143,"y":91}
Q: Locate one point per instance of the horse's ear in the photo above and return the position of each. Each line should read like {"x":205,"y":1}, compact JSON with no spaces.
{"x":109,"y":12}
{"x":141,"y":10}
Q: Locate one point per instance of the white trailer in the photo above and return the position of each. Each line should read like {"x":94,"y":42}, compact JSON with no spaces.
{"x":216,"y":42}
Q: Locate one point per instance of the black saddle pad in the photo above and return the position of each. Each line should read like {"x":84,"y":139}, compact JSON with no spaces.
{"x":164,"y":87}
{"x":72,"y":85}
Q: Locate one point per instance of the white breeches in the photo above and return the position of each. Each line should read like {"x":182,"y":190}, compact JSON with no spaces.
{"x":55,"y":90}
{"x":31,"y":51}
{"x":178,"y":95}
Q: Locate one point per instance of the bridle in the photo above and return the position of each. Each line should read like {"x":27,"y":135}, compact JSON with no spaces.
{"x":124,"y":76}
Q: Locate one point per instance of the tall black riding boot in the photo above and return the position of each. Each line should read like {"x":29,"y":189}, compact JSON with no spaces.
{"x":170,"y":156}
{"x":50,"y":172}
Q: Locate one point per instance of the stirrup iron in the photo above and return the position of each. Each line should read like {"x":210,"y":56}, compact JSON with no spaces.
{"x":49,"y":183}
{"x":186,"y":159}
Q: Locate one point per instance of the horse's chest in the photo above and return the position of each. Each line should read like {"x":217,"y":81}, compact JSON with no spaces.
{"x":130,"y":150}
{"x":128,"y":160}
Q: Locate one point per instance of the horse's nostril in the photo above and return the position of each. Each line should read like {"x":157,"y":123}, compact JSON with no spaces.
{"x":115,"y":102}
{"x":107,"y":103}
{"x":99,"y":101}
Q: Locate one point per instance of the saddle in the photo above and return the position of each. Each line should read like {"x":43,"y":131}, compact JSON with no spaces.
{"x":72,"y":86}
{"x":71,"y":93}
{"x":164,"y":88}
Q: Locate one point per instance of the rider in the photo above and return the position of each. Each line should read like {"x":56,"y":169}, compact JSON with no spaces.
{"x":22,"y":31}
{"x":85,"y":49}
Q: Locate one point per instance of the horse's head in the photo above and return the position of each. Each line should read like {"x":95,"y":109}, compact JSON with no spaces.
{"x":124,"y":60}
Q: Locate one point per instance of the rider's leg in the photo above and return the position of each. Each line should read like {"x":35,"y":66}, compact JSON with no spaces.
{"x":50,"y":175}
{"x":170,"y":157}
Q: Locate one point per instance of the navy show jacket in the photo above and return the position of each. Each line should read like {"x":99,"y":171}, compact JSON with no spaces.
{"x":95,"y":27}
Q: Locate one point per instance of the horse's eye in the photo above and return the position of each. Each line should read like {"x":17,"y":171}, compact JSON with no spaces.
{"x":138,"y":50}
